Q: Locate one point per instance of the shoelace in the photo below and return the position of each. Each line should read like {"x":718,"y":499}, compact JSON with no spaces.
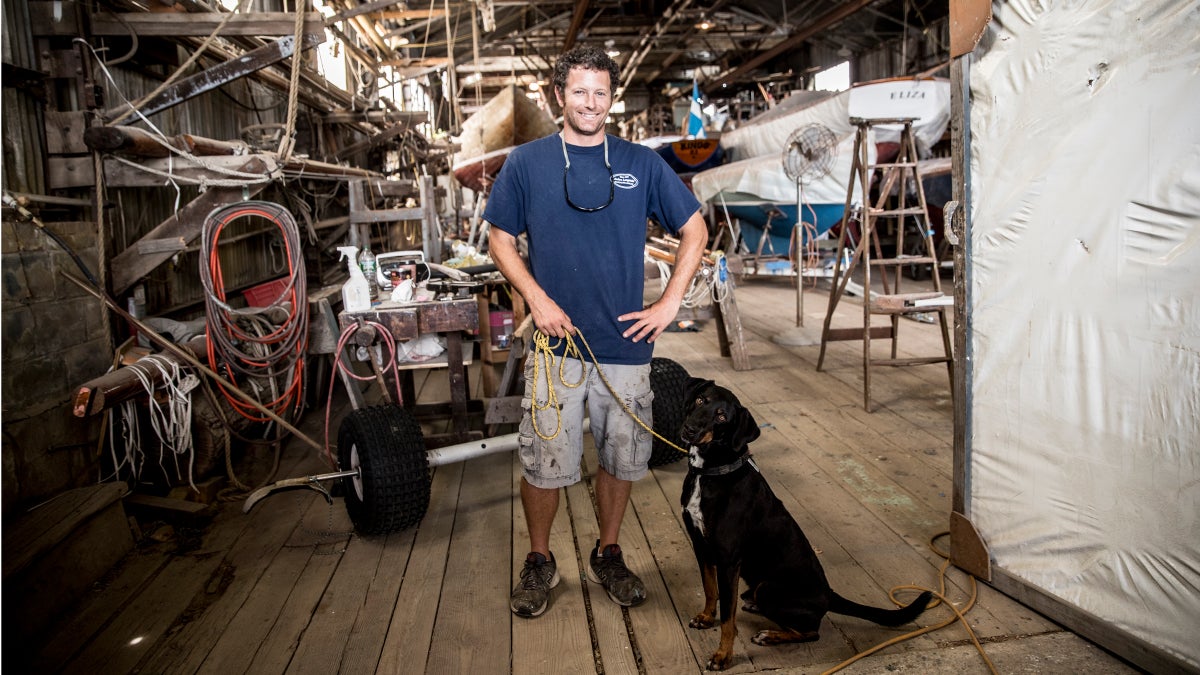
{"x":614,"y":567}
{"x":531,"y":576}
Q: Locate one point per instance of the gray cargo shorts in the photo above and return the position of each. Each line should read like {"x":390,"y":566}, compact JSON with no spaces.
{"x":622,"y":444}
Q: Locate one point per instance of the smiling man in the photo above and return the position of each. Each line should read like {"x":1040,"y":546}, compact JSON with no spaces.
{"x":583,"y":198}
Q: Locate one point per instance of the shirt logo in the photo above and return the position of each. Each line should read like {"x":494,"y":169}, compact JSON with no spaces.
{"x":625,"y":181}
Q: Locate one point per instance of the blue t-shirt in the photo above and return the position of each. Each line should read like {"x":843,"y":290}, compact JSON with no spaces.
{"x":591,"y":264}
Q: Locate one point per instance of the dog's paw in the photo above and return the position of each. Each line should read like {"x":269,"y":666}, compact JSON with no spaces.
{"x":701,"y":620}
{"x":768,"y":637}
{"x":720,"y":661}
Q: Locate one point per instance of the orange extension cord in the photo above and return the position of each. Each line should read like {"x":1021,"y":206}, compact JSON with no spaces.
{"x":242,"y":343}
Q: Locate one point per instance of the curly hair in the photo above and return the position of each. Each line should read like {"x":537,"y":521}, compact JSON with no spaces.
{"x":589,"y":57}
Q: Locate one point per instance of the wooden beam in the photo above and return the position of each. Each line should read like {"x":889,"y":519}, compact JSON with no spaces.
{"x":408,"y":14}
{"x":405,"y":117}
{"x":162,"y":171}
{"x":129,"y":266}
{"x":381,"y":137}
{"x":649,"y":39}
{"x":104,"y":392}
{"x":141,"y":143}
{"x":316,"y":93}
{"x":220,"y":74}
{"x":186,"y":24}
{"x":69,"y":172}
{"x":418,"y":66}
{"x":364,"y":8}
{"x":130,"y":141}
{"x":581,"y":8}
{"x":64,"y":132}
{"x":821,"y":23}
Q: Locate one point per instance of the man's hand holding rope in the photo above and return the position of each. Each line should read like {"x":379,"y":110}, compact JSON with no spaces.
{"x":549,"y":318}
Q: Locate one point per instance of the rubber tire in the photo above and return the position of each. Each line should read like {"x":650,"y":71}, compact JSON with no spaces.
{"x":668,"y":381}
{"x":391,"y":491}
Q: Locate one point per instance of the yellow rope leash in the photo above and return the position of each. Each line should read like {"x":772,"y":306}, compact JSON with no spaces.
{"x":940,"y":595}
{"x":543,"y":353}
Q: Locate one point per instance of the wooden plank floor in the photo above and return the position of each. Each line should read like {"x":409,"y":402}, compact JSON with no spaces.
{"x":290,"y":589}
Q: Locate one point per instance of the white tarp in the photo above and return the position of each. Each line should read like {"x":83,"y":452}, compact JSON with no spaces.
{"x":763,"y":179}
{"x":1083,"y":447}
{"x":928,"y":100}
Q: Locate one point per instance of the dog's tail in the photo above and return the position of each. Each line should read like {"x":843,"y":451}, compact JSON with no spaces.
{"x":883,"y":617}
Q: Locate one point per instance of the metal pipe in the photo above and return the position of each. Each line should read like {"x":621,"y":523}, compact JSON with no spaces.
{"x":472,"y":449}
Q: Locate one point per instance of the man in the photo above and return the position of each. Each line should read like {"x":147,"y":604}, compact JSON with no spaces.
{"x":583,"y":199}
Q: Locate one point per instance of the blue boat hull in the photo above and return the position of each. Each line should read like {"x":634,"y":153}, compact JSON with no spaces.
{"x":780,"y":218}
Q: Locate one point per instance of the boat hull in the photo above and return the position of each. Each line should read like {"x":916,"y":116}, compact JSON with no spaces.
{"x":503,"y":123}
{"x":478,"y":173}
{"x":776,"y":221}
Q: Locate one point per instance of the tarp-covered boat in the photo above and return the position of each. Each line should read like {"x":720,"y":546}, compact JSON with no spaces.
{"x":754,"y":187}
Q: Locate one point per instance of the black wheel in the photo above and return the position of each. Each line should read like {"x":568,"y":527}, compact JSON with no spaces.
{"x":391,"y":491}
{"x":668,"y":381}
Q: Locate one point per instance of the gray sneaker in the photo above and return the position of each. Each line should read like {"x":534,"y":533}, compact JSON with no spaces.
{"x":532,"y":593}
{"x":608,"y":569}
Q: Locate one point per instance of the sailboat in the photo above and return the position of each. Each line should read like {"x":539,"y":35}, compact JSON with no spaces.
{"x":753,"y":187}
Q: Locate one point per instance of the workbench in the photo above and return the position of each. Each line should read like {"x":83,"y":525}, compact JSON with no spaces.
{"x":448,"y":319}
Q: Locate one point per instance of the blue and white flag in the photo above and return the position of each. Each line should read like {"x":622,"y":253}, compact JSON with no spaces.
{"x":695,"y":126}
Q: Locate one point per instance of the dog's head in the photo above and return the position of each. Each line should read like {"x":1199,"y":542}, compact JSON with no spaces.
{"x":716,"y":423}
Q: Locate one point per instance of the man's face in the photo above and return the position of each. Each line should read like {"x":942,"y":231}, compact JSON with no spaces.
{"x":585,"y":100}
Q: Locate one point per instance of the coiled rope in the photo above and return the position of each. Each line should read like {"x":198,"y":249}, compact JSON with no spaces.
{"x":242,"y":342}
{"x":543,"y":355}
{"x":710,"y":285}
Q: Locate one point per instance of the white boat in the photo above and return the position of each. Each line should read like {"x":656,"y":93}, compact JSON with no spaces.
{"x":754,"y":187}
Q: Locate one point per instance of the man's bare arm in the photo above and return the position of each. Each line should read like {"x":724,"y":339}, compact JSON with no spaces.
{"x":547,"y":315}
{"x":652,"y":321}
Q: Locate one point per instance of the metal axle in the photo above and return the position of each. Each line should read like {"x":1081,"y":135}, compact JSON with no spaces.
{"x":449,"y":454}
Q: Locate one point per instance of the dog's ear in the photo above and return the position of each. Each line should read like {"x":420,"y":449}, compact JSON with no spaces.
{"x":692,"y":389}
{"x":747,"y":428}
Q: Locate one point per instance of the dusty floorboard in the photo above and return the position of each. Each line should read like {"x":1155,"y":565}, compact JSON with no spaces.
{"x":290,"y":589}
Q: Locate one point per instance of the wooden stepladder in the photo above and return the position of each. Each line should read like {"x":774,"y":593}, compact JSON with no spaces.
{"x":899,"y":174}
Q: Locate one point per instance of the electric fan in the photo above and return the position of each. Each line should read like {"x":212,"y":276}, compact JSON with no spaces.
{"x":807,"y":156}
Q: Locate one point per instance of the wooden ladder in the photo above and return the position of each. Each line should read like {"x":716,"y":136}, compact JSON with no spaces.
{"x":891,"y":302}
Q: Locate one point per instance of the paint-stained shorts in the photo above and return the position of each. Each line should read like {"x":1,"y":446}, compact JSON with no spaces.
{"x":623,"y":446}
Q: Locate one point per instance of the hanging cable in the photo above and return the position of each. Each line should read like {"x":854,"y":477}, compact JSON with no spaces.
{"x":385,"y":336}
{"x":171,"y":420}
{"x":243,"y":342}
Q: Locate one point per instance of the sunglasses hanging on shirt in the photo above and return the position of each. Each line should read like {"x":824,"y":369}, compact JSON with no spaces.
{"x":567,"y":167}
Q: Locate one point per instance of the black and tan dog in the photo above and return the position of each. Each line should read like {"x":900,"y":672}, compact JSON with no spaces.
{"x":739,"y":528}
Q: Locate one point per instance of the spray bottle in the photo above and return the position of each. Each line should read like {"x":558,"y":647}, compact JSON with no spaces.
{"x":356,"y":293}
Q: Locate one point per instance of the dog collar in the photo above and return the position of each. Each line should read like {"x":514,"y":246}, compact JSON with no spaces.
{"x":725,"y":468}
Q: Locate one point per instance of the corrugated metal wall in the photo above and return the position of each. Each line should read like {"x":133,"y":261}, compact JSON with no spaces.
{"x":24,"y":154}
{"x":922,"y":51}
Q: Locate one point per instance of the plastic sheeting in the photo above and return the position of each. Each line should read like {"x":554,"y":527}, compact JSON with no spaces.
{"x":1083,"y":446}
{"x":762,"y":179}
{"x":928,"y":100}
